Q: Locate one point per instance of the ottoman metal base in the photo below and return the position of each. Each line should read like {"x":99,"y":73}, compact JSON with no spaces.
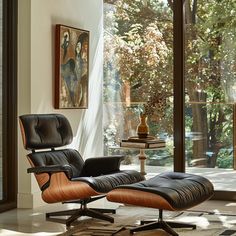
{"x":161,"y":224}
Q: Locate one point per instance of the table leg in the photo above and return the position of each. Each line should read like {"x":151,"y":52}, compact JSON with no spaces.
{"x":142,"y":158}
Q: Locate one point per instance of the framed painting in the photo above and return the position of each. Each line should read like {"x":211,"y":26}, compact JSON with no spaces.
{"x":71,"y":67}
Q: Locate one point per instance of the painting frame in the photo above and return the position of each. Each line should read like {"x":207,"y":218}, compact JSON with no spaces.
{"x":71,"y":67}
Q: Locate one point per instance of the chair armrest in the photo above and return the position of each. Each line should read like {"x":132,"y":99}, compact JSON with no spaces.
{"x":51,"y":169}
{"x":102,"y":165}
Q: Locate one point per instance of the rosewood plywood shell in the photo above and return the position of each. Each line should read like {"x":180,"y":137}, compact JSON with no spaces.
{"x":61,"y":189}
{"x":139,"y":198}
{"x":42,"y":178}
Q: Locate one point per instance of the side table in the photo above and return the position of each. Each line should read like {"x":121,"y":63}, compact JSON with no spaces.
{"x":141,"y":156}
{"x":142,"y":159}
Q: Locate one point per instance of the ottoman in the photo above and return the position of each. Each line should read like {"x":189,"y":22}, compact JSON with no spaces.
{"x":171,"y":191}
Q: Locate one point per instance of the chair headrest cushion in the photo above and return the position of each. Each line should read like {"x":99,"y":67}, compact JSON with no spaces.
{"x":42,"y":131}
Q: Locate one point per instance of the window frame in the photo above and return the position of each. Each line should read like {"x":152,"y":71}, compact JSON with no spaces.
{"x":9,"y":105}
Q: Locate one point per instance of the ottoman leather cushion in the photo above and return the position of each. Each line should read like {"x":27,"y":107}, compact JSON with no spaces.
{"x":169,"y":190}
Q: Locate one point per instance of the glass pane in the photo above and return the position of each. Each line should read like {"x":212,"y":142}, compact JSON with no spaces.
{"x":138,"y":77}
{"x":210,"y":89}
{"x":1,"y":168}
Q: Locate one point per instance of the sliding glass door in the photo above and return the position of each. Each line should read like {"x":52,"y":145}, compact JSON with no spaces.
{"x":210,"y":90}
{"x":184,"y":53}
{"x":138,"y":77}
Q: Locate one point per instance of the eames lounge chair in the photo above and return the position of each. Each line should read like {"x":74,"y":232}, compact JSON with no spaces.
{"x":62,"y":174}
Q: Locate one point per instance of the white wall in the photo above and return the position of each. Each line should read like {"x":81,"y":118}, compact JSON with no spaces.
{"x":37,"y":19}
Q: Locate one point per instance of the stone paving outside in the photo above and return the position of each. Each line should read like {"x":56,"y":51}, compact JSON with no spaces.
{"x":222,"y":179}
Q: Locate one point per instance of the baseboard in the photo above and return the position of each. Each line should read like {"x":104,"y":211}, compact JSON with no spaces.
{"x":29,"y":200}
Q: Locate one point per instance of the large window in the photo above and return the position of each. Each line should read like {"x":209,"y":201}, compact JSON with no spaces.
{"x":210,"y":84}
{"x":138,"y":74}
{"x":148,"y":57}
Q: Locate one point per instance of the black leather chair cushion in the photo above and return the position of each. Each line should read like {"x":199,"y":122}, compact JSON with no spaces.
{"x":181,"y":190}
{"x":101,"y":173}
{"x":105,"y":183}
{"x":43,"y":131}
{"x":102,"y":165}
{"x":69,"y":157}
{"x":75,"y":165}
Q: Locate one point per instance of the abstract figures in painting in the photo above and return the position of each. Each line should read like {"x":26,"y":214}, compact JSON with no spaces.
{"x":71,"y":64}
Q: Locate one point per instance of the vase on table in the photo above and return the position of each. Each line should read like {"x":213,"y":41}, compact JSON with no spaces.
{"x":143,"y":128}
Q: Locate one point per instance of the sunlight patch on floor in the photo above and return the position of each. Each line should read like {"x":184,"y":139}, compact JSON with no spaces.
{"x":200,"y":221}
{"x":11,"y":233}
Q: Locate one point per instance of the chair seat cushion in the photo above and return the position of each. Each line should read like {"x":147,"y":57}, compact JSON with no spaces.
{"x":178,"y":191}
{"x":105,"y":183}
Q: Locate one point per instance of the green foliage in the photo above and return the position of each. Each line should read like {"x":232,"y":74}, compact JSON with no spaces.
{"x":140,"y":48}
{"x":138,"y":56}
{"x":225,"y":159}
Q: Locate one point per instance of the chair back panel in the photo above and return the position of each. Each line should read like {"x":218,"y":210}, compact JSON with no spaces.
{"x":62,"y":157}
{"x":42,"y":131}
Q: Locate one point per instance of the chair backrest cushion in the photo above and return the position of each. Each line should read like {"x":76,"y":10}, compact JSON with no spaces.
{"x":42,"y":131}
{"x":62,"y":157}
